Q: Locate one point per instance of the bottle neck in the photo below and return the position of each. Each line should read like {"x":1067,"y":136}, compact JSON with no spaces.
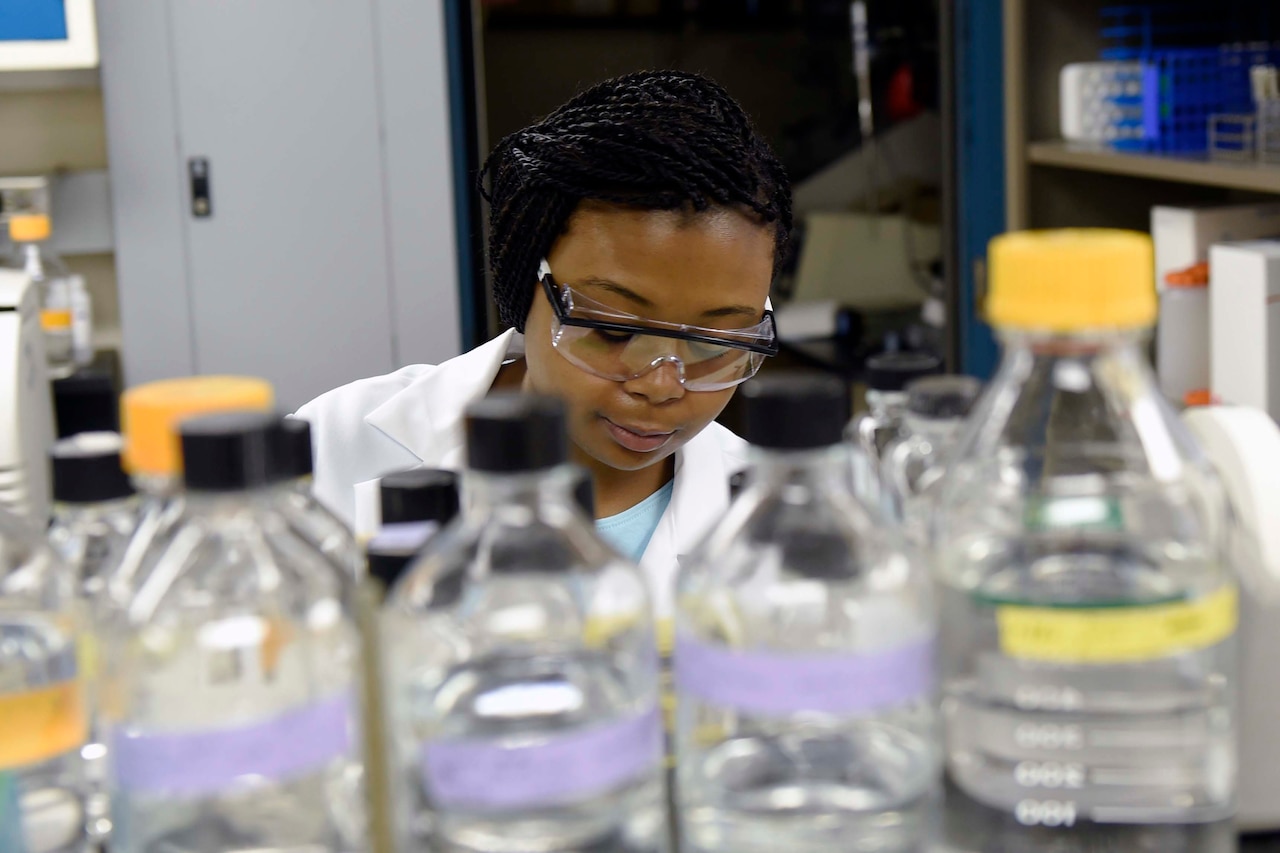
{"x":1088,"y":343}
{"x":822,"y":468}
{"x":518,"y":494}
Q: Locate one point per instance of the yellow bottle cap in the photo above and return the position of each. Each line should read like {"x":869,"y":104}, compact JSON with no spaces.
{"x":29,"y":227}
{"x":1071,"y":280}
{"x":151,"y":414}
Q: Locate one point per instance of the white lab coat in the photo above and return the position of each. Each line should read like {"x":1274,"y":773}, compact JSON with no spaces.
{"x":413,"y":419}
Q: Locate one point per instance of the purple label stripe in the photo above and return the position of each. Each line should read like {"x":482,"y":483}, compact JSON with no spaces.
{"x":778,"y":684}
{"x":562,"y":767}
{"x":200,"y":763}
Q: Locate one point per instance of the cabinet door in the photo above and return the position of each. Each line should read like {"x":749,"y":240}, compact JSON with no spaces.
{"x":288,"y":275}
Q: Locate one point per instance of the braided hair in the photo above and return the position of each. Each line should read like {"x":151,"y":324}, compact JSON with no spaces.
{"x":654,"y":140}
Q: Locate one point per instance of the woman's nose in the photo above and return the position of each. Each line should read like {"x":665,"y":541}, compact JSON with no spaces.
{"x":662,"y":381}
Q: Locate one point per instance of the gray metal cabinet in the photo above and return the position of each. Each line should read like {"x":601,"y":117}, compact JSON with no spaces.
{"x":329,"y":249}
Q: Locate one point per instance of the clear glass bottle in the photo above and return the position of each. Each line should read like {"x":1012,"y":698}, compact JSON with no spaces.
{"x":888,"y":375}
{"x":95,"y":513}
{"x":30,"y":253}
{"x":153,"y":458}
{"x":310,"y":519}
{"x":804,"y":654}
{"x":935,"y":416}
{"x":520,"y":663}
{"x":415,"y":504}
{"x":1088,"y":607}
{"x":232,"y":679}
{"x":43,"y":709}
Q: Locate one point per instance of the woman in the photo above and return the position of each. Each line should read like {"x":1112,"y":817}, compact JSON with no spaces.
{"x":635,"y":234}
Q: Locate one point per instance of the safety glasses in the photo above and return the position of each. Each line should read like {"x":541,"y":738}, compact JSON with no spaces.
{"x":615,"y":345}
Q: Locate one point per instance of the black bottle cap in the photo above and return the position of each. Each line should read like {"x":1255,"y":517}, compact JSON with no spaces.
{"x":229,"y":452}
{"x":87,"y":469}
{"x":293,"y":449}
{"x":891,"y":371}
{"x":943,"y":396}
{"x":795,"y":411}
{"x":86,"y":402}
{"x":510,"y":433}
{"x":584,"y":491}
{"x":419,"y":494}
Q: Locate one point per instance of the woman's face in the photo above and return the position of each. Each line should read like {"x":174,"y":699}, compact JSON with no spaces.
{"x":709,"y":269}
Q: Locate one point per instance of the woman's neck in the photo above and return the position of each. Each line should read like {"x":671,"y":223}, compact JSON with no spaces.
{"x":618,"y":491}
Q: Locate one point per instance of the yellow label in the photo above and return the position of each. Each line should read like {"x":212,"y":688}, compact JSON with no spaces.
{"x":37,"y":725}
{"x":55,"y":318}
{"x":1101,"y":635}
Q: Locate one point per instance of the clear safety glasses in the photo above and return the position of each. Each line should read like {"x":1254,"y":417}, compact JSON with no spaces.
{"x":615,"y":345}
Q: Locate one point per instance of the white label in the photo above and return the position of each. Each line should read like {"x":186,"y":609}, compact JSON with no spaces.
{"x":1049,"y":774}
{"x":1048,"y":736}
{"x":1050,"y":813}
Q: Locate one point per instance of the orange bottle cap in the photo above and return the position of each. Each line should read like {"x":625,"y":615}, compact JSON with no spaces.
{"x":151,"y":414}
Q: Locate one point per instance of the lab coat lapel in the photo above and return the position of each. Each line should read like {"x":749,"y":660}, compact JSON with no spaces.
{"x":700,"y":497}
{"x":426,"y":416}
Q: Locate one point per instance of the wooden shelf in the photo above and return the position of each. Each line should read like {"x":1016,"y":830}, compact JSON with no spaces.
{"x":1200,"y":171}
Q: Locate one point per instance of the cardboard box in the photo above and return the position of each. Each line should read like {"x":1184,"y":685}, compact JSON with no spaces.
{"x":1244,"y":324}
{"x":1183,"y":235}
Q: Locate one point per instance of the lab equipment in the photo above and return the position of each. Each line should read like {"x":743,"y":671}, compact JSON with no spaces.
{"x":80,"y":304}
{"x":804,"y":654}
{"x":236,"y":723}
{"x":1244,"y":332}
{"x":308,"y":518}
{"x":1080,"y":544}
{"x":26,"y":430}
{"x":1244,"y":446}
{"x":1182,"y":333}
{"x":415,"y":505}
{"x":936,"y":409}
{"x":30,"y":253}
{"x":521,"y":663}
{"x":1100,"y":102}
{"x":153,"y":458}
{"x":42,"y":706}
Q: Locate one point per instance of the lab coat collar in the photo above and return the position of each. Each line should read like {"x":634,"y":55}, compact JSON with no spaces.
{"x":426,"y":416}
{"x":699,"y":500}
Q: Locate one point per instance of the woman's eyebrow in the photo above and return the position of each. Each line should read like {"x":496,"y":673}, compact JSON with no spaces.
{"x":629,"y":294}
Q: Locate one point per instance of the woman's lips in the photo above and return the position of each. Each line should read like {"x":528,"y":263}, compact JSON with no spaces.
{"x":636,"y":438}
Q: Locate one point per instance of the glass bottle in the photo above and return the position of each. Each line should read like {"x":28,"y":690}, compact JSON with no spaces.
{"x":232,"y":679}
{"x":521,"y":664}
{"x":310,"y":519}
{"x":935,"y":415}
{"x":43,"y":708}
{"x":31,"y":254}
{"x":804,"y":653}
{"x":1089,"y":609}
{"x":95,"y":513}
{"x":152,"y":456}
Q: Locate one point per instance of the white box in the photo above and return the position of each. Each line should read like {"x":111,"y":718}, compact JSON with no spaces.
{"x":1183,"y":235}
{"x":1244,"y":324}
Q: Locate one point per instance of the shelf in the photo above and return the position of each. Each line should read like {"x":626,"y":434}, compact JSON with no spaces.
{"x":1201,"y":171}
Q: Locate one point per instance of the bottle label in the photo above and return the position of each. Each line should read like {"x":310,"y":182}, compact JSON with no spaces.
{"x":532,"y":772}
{"x":776,"y":684}
{"x":37,"y":725}
{"x":209,"y":761}
{"x":1123,"y":634}
{"x":55,"y":319}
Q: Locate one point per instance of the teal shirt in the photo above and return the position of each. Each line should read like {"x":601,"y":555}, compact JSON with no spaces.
{"x":629,"y":531}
